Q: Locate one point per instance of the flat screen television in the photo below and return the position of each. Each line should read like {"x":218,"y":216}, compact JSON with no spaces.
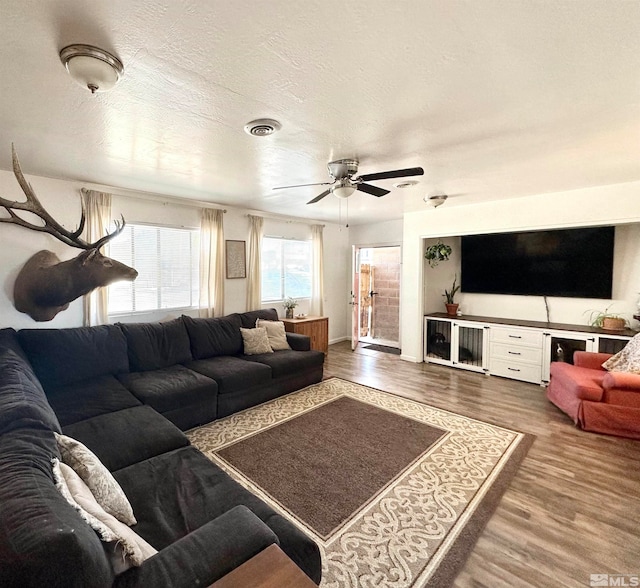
{"x":575,"y":263}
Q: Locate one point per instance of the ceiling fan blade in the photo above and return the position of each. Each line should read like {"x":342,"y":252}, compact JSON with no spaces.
{"x":398,"y":173}
{"x":319,"y":197}
{"x":373,"y":190}
{"x":302,"y":185}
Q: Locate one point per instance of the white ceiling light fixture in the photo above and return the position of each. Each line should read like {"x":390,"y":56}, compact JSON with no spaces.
{"x":405,"y":184}
{"x":436,"y":200}
{"x":343,"y":188}
{"x":91,"y":67}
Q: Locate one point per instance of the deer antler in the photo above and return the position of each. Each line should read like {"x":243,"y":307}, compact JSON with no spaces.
{"x":51,"y":226}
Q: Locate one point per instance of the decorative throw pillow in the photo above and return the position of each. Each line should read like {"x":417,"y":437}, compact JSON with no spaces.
{"x":255,"y":341}
{"x":276,"y":334}
{"x":627,"y":360}
{"x":97,"y":477}
{"x":125,"y":547}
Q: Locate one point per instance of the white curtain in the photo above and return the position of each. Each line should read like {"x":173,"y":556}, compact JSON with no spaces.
{"x":97,"y":206}
{"x":317,"y":271}
{"x":211,"y":263}
{"x":254,"y":297}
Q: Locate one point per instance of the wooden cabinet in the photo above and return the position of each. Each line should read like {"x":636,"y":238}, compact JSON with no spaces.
{"x":314,"y":327}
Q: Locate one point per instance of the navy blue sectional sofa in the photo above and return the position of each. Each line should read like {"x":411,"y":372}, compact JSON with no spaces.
{"x":128,"y":392}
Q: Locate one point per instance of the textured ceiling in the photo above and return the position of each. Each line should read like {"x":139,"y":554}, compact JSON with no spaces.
{"x":495,"y":99}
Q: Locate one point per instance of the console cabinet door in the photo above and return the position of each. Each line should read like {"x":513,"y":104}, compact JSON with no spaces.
{"x":455,"y":343}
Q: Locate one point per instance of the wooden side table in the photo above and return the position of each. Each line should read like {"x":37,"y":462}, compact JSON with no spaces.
{"x":271,"y":568}
{"x":315,"y":327}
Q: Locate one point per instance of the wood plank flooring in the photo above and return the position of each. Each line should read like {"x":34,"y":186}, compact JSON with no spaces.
{"x":573,"y":508}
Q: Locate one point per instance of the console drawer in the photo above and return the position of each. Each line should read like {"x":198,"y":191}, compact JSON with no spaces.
{"x":516,"y":336}
{"x":516,"y":371}
{"x":510,"y":352}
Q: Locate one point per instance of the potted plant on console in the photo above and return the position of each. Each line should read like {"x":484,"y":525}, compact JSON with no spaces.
{"x":603,"y":319}
{"x":289,"y":304}
{"x":452,"y":306}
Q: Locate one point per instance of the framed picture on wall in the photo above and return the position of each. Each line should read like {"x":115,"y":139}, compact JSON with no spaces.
{"x":235,"y":260}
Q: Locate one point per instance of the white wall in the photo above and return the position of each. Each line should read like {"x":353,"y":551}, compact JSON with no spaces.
{"x":607,"y":205}
{"x":62,"y":200}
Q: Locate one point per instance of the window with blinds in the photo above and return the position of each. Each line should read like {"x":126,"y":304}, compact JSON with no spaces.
{"x":167,"y":260}
{"x":285,"y":269}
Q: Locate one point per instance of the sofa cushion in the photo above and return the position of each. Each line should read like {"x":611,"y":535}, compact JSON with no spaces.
{"x":22,"y":400}
{"x":177,"y":492}
{"x":65,"y":356}
{"x":285,"y":363}
{"x":153,"y":346}
{"x":43,"y":540}
{"x":127,"y":436}
{"x":231,"y":373}
{"x":171,"y":388}
{"x":214,"y":336}
{"x":255,"y":341}
{"x":249,"y":319}
{"x":90,"y":398}
{"x":9,"y":340}
{"x":276,"y":333}
{"x":97,"y":477}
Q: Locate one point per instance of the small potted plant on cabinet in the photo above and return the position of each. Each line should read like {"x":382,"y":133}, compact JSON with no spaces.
{"x":289,"y":304}
{"x":452,"y":306}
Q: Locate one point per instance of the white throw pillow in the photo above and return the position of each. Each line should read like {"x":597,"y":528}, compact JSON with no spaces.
{"x":127,"y":547}
{"x":255,"y":341}
{"x":97,"y":477}
{"x":627,"y":360}
{"x":276,"y":334}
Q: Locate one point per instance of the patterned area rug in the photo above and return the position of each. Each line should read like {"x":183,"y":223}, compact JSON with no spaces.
{"x":395,"y":492}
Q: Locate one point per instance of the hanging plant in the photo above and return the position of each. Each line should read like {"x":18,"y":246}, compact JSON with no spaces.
{"x":437,"y":253}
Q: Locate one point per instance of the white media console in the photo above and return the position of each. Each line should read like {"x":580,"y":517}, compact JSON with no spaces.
{"x":520,"y":350}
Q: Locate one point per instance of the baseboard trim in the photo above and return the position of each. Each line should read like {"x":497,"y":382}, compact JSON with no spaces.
{"x":338,"y":340}
{"x":411,"y":358}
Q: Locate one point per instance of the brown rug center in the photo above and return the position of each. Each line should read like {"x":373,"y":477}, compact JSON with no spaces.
{"x":301,"y":463}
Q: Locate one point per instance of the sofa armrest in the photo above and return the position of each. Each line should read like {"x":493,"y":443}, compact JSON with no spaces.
{"x":205,"y":555}
{"x":622,"y":381}
{"x":299,"y":342}
{"x":590,"y":360}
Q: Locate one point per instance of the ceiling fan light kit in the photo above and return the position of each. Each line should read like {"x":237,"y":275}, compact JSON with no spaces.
{"x":91,"y":67}
{"x":344,"y":181}
{"x":436,"y":200}
{"x":343,"y":189}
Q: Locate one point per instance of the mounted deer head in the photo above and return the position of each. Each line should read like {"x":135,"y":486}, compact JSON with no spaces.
{"x":45,"y":285}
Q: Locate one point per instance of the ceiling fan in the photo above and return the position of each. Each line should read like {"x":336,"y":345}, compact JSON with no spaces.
{"x":344,"y":182}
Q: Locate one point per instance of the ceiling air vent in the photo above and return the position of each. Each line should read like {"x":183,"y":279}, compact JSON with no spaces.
{"x":262,"y":127}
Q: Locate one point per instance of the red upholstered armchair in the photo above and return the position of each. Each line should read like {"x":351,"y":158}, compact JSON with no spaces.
{"x":597,"y":400}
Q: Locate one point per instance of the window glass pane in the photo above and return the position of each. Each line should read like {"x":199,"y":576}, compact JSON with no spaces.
{"x":121,"y":293}
{"x":297,"y":272}
{"x":167,"y":261}
{"x":286,"y":269}
{"x":272,"y":269}
{"x":145,"y":251}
